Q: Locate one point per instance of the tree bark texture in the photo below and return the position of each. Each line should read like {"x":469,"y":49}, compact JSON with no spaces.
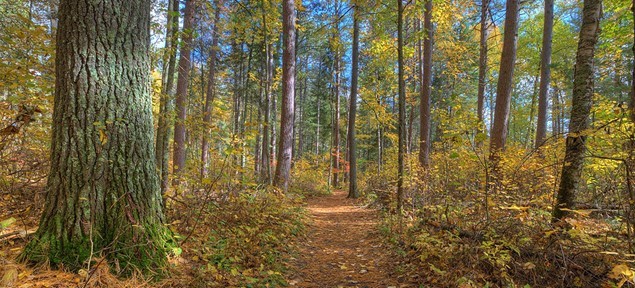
{"x":482,"y":68}
{"x":103,"y":196}
{"x":178,"y":161}
{"x":401,"y":130}
{"x":632,"y":112}
{"x":505,"y":80}
{"x":580,"y":109}
{"x":545,"y":74}
{"x":336,"y":95}
{"x":265,"y":176}
{"x":352,"y":112}
{"x":426,"y":87}
{"x":285,"y":144}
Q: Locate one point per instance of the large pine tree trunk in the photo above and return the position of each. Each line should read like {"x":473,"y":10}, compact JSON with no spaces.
{"x":103,"y":196}
{"x":426,"y":88}
{"x":182,"y":83}
{"x":211,"y":89}
{"x":164,"y":129}
{"x":545,"y":74}
{"x":580,"y":108}
{"x":505,"y":81}
{"x":285,"y":144}
{"x":352,"y":112}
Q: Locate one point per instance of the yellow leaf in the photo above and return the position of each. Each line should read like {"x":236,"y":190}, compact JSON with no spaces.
{"x":9,"y":277}
{"x":7,"y":222}
{"x":516,"y":208}
{"x":584,"y":213}
{"x":529,"y":266}
{"x":102,"y":137}
{"x":83,"y":273}
{"x":621,"y":270}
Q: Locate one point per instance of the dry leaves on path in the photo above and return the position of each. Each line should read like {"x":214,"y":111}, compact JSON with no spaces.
{"x":343,"y":247}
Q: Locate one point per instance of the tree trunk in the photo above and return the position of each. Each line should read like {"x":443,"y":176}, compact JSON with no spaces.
{"x":274,"y":110}
{"x":482,"y":70}
{"x":426,"y":89}
{"x":505,"y":80}
{"x":265,"y":175}
{"x":178,"y":161}
{"x":632,"y":104}
{"x":298,"y":90}
{"x":164,"y":129}
{"x":317,"y":133}
{"x":336,"y":95}
{"x":402,"y":107}
{"x":285,"y":144}
{"x":257,"y":166}
{"x":528,"y":140}
{"x":411,"y":120}
{"x":103,"y":196}
{"x":352,"y":112}
{"x":555,"y":113}
{"x":580,"y":109}
{"x":211,"y":89}
{"x":237,"y":99}
{"x":545,"y":75}
{"x":301,"y":105}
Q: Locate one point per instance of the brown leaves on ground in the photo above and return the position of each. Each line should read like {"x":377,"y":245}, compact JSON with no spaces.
{"x":343,"y":248}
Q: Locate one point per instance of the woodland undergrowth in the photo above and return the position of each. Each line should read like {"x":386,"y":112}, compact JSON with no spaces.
{"x":230,"y":235}
{"x":455,"y":233}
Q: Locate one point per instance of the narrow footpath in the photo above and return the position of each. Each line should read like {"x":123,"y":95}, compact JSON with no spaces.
{"x":343,"y":247}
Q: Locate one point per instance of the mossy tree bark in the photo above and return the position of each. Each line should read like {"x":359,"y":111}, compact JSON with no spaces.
{"x":580,"y":109}
{"x":103,"y":196}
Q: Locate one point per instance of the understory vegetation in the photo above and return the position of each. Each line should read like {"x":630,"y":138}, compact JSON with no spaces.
{"x":455,"y":234}
{"x":241,"y":239}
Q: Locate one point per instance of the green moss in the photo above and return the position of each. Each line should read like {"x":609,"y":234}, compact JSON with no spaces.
{"x":145,"y":250}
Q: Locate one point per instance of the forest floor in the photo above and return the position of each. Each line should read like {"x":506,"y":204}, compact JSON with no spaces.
{"x":343,"y":247}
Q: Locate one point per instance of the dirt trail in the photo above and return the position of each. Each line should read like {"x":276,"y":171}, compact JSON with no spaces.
{"x":343,"y":247}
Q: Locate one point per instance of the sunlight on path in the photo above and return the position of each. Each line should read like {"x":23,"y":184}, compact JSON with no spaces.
{"x":343,"y":247}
